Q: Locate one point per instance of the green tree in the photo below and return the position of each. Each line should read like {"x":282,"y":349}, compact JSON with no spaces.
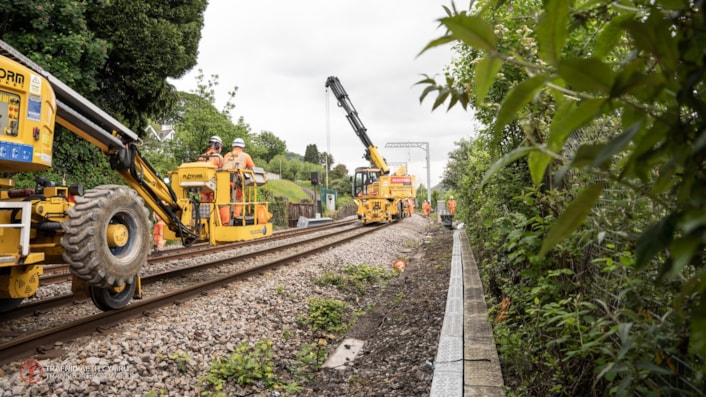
{"x":83,"y":44}
{"x":421,"y":194}
{"x":340,"y":181}
{"x":311,"y":154}
{"x":278,"y":165}
{"x":339,"y":171}
{"x":56,"y":35}
{"x":272,"y":145}
{"x":195,"y":120}
{"x":149,"y":41}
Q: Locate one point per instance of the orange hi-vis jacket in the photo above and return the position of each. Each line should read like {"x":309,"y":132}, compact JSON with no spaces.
{"x":427,"y":208}
{"x":158,"y":235}
{"x":212,"y":156}
{"x":451,"y":205}
{"x":237,"y":159}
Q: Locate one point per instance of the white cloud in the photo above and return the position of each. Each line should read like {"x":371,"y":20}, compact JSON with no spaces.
{"x":279,"y":54}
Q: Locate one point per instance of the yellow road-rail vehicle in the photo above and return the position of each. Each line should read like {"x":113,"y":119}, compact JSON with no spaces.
{"x":380,"y":196}
{"x":103,"y":233}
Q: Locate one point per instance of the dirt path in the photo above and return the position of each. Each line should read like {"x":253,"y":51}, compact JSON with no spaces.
{"x":401,"y":331}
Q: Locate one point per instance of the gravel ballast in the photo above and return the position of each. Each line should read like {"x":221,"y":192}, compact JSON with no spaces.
{"x":169,"y":352}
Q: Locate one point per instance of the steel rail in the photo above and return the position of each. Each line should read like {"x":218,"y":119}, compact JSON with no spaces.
{"x":37,"y":307}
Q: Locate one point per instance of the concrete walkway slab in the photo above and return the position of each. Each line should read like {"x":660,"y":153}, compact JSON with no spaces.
{"x":345,"y":353}
{"x":467,"y":361}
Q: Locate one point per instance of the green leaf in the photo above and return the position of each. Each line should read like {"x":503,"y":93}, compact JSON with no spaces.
{"x":653,"y":240}
{"x":471,"y":30}
{"x":437,"y":42}
{"x":666,"y":179}
{"x":693,"y":220}
{"x":631,"y":80}
{"x":505,"y":160}
{"x":610,"y":35}
{"x":519,"y":96}
{"x":426,"y":91}
{"x":585,"y":155}
{"x":681,"y":251}
{"x":616,"y":144}
{"x":443,"y":94}
{"x":538,"y":162}
{"x":589,"y":75}
{"x":552,"y":30}
{"x":655,"y":36}
{"x":486,"y":70}
{"x":572,"y":218}
{"x":675,"y":4}
{"x":569,"y":119}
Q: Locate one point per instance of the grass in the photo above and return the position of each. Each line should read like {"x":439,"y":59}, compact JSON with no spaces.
{"x":291,"y":190}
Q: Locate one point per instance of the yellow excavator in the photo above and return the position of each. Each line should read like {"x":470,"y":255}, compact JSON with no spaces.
{"x":380,"y":196}
{"x":102,"y":233}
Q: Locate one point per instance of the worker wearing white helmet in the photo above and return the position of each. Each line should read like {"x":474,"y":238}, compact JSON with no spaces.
{"x":237,"y":159}
{"x":213,"y":153}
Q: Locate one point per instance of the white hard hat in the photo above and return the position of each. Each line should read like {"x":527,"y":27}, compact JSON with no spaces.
{"x":452,"y":197}
{"x":238,"y":142}
{"x":216,"y":139}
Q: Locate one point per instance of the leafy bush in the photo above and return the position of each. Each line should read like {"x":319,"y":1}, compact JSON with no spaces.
{"x":356,"y":278}
{"x":326,"y":315}
{"x":600,"y":263}
{"x":248,"y":365}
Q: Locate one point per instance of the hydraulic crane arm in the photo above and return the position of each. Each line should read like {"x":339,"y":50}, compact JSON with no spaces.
{"x":86,"y":120}
{"x":371,"y":151}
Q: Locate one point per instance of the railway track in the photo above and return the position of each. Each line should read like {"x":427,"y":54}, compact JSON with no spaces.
{"x":60,"y":273}
{"x":54,"y":274}
{"x":212,"y":273}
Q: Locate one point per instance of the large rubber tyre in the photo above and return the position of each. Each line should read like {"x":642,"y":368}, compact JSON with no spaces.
{"x":88,"y":249}
{"x":111,"y":299}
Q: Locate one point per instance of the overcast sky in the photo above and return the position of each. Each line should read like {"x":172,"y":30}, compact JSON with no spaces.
{"x":279,"y":54}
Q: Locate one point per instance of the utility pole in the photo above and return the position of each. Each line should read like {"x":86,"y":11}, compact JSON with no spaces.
{"x":422,"y":145}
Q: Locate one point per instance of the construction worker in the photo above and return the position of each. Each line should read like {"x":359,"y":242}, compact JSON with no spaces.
{"x":213,"y":152}
{"x":426,"y":207}
{"x":410,"y":206}
{"x":451,"y":205}
{"x":237,"y":159}
{"x":158,"y":236}
{"x":213,"y":155}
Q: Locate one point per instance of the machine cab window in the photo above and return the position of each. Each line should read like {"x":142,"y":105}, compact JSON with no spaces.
{"x":363,"y":178}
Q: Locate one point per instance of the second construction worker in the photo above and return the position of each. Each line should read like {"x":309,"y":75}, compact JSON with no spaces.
{"x":427,"y":208}
{"x":158,"y":236}
{"x":237,"y":159}
{"x":410,"y":206}
{"x":451,"y":205}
